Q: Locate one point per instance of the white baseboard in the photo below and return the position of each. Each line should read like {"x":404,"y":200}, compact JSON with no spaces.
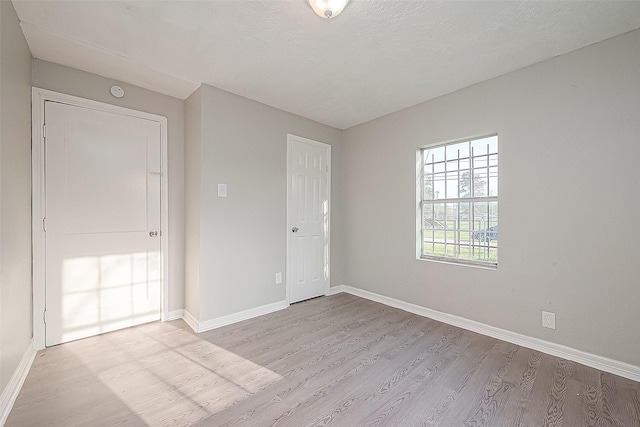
{"x":218,"y":322}
{"x":174,"y":315}
{"x":190,"y":320}
{"x":598,"y":362}
{"x":10,"y":392}
{"x":335,"y":290}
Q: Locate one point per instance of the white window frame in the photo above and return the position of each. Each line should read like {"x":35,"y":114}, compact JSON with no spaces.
{"x":421,"y":200}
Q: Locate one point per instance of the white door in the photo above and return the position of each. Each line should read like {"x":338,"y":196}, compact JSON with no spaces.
{"x":308,"y":213}
{"x":102,"y":196}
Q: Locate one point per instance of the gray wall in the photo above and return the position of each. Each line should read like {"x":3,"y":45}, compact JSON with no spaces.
{"x":192,"y":196}
{"x":243,"y":236}
{"x":47,"y":75}
{"x":15,"y":193}
{"x":569,"y":132}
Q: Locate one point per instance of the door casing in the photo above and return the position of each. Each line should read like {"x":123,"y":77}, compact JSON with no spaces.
{"x":38,"y":98}
{"x":290,"y":140}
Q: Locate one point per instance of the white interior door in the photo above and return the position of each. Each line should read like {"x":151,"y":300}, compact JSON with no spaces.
{"x":308,"y":213}
{"x":102,"y":197}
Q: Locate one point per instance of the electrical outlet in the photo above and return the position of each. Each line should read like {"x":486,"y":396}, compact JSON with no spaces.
{"x":548,"y":320}
{"x":278,"y":278}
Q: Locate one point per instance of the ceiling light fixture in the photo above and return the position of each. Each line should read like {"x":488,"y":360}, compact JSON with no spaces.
{"x":328,"y":8}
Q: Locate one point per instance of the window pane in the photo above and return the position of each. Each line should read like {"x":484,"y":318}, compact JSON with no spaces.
{"x":480,"y":162}
{"x":480,"y":179}
{"x":439,"y":185}
{"x":493,"y":214}
{"x":438,"y":249}
{"x":433,"y":155}
{"x":458,"y":150}
{"x":428,"y":187}
{"x":452,"y":185}
{"x":452,"y":165}
{"x":493,"y":181}
{"x":427,"y":215}
{"x":487,"y":145}
{"x":439,"y":216}
{"x":465,"y":184}
{"x":480,"y":215}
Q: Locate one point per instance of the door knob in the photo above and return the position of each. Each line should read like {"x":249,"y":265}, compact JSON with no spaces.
{"x":153,"y":233}
{"x":294,"y":230}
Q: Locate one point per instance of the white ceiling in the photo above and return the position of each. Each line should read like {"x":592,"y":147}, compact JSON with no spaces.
{"x":375,"y":58}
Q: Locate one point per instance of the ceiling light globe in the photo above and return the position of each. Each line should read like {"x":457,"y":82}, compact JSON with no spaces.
{"x":328,"y":8}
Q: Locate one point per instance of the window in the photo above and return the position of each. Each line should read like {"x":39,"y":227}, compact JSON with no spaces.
{"x":459,"y":201}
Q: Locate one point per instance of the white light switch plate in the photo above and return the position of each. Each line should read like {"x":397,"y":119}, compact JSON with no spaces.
{"x":278,"y":278}
{"x":222,"y":190}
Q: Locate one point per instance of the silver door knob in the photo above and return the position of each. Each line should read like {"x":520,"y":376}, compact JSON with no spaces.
{"x":294,"y":230}
{"x":153,"y":233}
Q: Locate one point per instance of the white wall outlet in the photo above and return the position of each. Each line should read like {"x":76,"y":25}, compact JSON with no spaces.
{"x":278,"y":278}
{"x":222,"y":190}
{"x":548,"y":320}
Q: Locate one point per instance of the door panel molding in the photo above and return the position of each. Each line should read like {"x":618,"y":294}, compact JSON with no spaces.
{"x":291,"y":140}
{"x":39,"y":97}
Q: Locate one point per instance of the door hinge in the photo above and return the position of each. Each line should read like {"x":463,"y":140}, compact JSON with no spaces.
{"x":44,"y":317}
{"x":44,"y":131}
{"x":44,"y":224}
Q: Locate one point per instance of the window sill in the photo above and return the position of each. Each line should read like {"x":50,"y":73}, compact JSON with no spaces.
{"x":463,"y":263}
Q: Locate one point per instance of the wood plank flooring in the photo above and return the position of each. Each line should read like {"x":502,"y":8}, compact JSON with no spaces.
{"x":338,"y":360}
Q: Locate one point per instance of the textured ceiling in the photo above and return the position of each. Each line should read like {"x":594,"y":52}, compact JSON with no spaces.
{"x":375,"y":58}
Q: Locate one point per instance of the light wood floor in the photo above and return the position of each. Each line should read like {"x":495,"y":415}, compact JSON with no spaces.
{"x":337,"y":360}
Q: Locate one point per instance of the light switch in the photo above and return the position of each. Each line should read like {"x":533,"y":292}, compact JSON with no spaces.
{"x":222,"y":190}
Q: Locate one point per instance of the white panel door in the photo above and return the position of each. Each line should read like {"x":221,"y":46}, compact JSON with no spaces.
{"x":308,"y":205}
{"x":102,"y":196}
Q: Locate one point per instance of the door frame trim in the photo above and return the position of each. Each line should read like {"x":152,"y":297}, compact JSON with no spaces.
{"x":38,"y":98}
{"x":290,"y":139}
